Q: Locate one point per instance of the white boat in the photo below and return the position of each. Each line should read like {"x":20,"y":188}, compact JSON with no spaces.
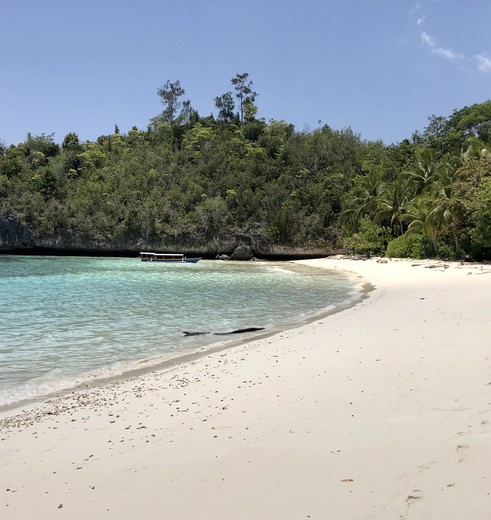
{"x":174,"y":258}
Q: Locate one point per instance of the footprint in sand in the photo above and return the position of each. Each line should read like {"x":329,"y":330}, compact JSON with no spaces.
{"x":461,"y":451}
{"x":425,"y":467}
{"x":416,"y":495}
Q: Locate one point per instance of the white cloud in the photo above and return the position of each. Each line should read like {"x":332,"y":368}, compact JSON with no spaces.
{"x":483,"y":63}
{"x":428,"y":40}
{"x":448,"y":54}
{"x":443,"y":52}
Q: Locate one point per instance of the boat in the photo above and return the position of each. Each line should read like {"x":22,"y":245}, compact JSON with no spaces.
{"x":173,"y":258}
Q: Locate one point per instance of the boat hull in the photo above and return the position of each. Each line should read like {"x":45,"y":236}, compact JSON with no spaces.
{"x":163,"y":261}
{"x":167,"y":258}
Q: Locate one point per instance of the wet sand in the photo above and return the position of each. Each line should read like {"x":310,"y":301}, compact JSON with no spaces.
{"x":381,"y":411}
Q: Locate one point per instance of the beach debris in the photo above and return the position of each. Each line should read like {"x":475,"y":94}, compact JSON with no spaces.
{"x":438,"y":265}
{"x":237,"y":331}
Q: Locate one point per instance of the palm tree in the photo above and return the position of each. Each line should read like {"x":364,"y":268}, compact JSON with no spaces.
{"x":446,"y":213}
{"x":424,"y":173}
{"x":421,"y":220}
{"x":363,"y":201}
{"x":433,"y":216}
{"x":446,"y":174}
{"x":475,"y":150}
{"x":392,"y":206}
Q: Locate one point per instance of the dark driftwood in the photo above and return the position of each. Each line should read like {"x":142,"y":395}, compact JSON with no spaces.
{"x":238,"y":331}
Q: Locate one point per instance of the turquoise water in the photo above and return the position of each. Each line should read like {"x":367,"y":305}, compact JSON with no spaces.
{"x":68,"y":320}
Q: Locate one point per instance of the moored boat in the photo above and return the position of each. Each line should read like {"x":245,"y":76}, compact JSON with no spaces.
{"x":174,"y":258}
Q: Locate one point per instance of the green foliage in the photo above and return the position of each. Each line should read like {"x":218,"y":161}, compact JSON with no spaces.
{"x":71,"y":143}
{"x":472,"y":194}
{"x":169,"y":95}
{"x":12,"y":164}
{"x":43,"y":144}
{"x":449,"y":134}
{"x":370,"y":239}
{"x":245,"y":95}
{"x":446,"y":251}
{"x":409,"y":246}
{"x":226,"y":106}
{"x":480,"y":214}
{"x":193,"y":180}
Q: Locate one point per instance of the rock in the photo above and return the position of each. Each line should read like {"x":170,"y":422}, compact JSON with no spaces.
{"x":13,"y":234}
{"x":242,"y":253}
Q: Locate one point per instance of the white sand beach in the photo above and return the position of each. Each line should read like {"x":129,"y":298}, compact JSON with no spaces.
{"x":381,"y":411}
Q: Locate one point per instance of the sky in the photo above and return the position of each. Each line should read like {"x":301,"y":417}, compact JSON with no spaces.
{"x":380,"y":67}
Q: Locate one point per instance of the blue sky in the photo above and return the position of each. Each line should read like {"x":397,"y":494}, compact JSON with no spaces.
{"x":381,"y":67}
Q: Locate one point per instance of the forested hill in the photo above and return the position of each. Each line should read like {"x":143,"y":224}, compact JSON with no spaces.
{"x":208,"y":184}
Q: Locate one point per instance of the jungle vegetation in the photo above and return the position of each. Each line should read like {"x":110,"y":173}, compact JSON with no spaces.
{"x":194,"y":178}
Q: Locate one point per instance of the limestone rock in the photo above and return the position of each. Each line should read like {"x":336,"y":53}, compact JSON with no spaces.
{"x":13,"y":234}
{"x":242,"y":253}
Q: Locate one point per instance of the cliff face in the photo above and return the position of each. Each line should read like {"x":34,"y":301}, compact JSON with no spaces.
{"x":14,"y":235}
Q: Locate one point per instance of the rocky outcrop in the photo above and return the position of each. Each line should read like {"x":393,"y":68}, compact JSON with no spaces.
{"x":14,"y":235}
{"x":242,"y":252}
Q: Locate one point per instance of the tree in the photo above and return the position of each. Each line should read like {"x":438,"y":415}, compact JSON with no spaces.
{"x":244,"y":92}
{"x":212,"y":217}
{"x":449,"y":134}
{"x":472,"y":195}
{"x":188,"y":115}
{"x":392,"y":206}
{"x":250,"y":111}
{"x":422,"y":220}
{"x":434,"y":135}
{"x":369,"y":239}
{"x":71,"y":142}
{"x":169,"y":96}
{"x":445,"y":214}
{"x":472,"y":121}
{"x":42,"y":143}
{"x":274,"y":137}
{"x":480,"y":216}
{"x":226,"y":106}
{"x":362,"y":201}
{"x":424,"y":172}
{"x":475,"y":150}
{"x":446,"y":174}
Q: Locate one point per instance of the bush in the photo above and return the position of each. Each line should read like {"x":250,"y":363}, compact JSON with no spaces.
{"x":369,"y":239}
{"x":409,"y":246}
{"x":446,"y":251}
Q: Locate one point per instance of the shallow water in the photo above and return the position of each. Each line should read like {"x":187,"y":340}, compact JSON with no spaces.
{"x":66,"y":320}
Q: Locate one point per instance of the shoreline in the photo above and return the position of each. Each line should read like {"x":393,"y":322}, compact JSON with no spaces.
{"x":380,"y":411}
{"x":128,"y":369}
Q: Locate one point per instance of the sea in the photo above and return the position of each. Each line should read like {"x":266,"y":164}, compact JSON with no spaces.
{"x":69,"y":321}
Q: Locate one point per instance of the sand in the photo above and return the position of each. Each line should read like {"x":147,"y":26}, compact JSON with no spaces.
{"x":381,"y":411}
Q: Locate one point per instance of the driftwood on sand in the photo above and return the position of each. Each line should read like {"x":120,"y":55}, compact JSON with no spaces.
{"x":238,"y":331}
